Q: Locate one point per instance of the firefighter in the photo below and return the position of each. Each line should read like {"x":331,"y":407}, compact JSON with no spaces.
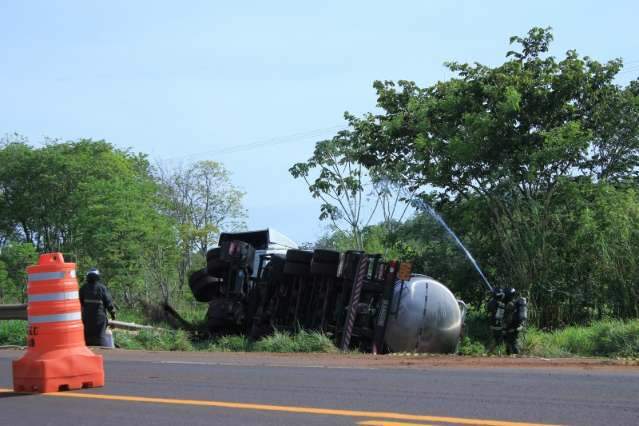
{"x":96,"y":301}
{"x":496,"y":309}
{"x":515,"y":316}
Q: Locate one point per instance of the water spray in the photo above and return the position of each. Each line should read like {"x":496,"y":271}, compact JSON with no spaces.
{"x":422,"y":205}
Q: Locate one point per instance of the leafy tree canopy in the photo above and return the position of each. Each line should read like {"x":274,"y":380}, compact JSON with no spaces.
{"x":532,"y":161}
{"x":97,"y":204}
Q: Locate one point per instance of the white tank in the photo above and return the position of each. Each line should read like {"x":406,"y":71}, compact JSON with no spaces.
{"x":425,"y":317}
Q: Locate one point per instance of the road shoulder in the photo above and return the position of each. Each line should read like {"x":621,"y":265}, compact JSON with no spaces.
{"x":353,"y":360}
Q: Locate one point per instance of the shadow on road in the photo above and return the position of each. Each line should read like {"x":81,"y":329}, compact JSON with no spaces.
{"x":10,"y":394}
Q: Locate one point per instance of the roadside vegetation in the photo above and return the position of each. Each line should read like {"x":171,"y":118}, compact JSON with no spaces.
{"x":167,"y":338}
{"x":179,"y":340}
{"x":608,"y":338}
{"x":13,"y":333}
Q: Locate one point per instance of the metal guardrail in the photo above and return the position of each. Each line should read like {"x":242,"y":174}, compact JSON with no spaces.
{"x":13,"y":312}
{"x":19,"y":312}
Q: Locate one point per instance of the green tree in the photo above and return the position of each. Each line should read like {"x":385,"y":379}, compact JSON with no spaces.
{"x":14,"y":259}
{"x":98,"y":205}
{"x":352,"y":195}
{"x":203,"y":201}
{"x":500,"y":149}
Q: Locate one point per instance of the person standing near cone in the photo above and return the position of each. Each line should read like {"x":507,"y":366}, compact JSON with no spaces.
{"x":96,"y":301}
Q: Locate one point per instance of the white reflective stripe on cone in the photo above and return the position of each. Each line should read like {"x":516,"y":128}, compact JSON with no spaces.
{"x":47,"y":297}
{"x":44,"y":276}
{"x":71,"y":316}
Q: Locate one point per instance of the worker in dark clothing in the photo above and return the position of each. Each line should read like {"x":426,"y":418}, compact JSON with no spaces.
{"x":496,"y":310}
{"x":515,"y":316}
{"x":96,"y":301}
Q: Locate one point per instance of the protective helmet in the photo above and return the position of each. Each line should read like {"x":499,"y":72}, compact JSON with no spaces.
{"x":511,"y":294}
{"x":93,"y":274}
{"x":498,"y":293}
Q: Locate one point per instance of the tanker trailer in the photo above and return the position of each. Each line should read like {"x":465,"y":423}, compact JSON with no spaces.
{"x":424,"y":317}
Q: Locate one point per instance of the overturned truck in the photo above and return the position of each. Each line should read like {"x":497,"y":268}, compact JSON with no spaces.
{"x":257,"y":282}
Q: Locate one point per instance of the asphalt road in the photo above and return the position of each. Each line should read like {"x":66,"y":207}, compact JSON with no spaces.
{"x":167,"y":389}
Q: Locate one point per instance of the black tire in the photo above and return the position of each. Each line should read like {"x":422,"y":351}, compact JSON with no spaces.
{"x":274,"y":270}
{"x":217,"y":268}
{"x":326,"y":256}
{"x":214,"y":253}
{"x":299,"y":256}
{"x":324,"y":269}
{"x":197,"y":275}
{"x":203,"y":286}
{"x":294,"y":268}
{"x":205,"y":289}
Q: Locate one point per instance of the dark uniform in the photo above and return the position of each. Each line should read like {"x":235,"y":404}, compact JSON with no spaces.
{"x":508,"y":315}
{"x":96,"y":301}
{"x":496,"y":310}
{"x":515,"y":316}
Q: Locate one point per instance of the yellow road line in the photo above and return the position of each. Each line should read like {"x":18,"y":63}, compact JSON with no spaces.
{"x":385,"y":423}
{"x":289,"y":409}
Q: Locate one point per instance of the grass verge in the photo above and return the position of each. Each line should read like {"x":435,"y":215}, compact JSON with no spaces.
{"x":177,"y":340}
{"x":612,"y":338}
{"x":609,"y":338}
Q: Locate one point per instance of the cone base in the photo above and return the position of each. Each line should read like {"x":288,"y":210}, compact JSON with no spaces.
{"x":44,"y":373}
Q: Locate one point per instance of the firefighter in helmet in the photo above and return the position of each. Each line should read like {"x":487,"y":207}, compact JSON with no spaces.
{"x":515,"y":316}
{"x":96,"y":301}
{"x":496,"y":309}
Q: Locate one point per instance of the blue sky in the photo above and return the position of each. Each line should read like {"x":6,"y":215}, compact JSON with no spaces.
{"x":190,"y":80}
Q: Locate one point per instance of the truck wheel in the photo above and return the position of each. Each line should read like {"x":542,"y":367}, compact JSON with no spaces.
{"x":214,"y":253}
{"x":197,"y":275}
{"x":274,"y":270}
{"x":294,"y":268}
{"x":217,"y":268}
{"x":326,"y":256}
{"x":299,"y":256}
{"x":324,"y":269}
{"x":203,"y":286}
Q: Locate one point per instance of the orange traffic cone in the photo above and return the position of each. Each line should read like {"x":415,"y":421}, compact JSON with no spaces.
{"x":57,"y":357}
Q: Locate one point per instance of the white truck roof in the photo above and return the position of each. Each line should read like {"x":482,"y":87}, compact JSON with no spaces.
{"x":263,"y":239}
{"x":281,"y":240}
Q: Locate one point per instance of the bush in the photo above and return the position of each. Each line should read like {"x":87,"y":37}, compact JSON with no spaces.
{"x":476,"y":326}
{"x":471,"y":348}
{"x":616,"y":338}
{"x":13,"y":333}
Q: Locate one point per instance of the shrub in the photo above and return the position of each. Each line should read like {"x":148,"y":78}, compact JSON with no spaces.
{"x":13,"y":333}
{"x":471,"y":347}
{"x":229,"y":344}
